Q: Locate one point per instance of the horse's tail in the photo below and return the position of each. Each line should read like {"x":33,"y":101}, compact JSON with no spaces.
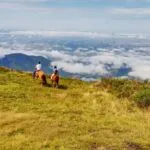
{"x":44,"y":79}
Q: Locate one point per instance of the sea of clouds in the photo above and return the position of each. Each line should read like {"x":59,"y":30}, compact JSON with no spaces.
{"x":86,"y":61}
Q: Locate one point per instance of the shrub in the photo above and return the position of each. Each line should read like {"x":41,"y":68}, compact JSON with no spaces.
{"x":142,"y":98}
{"x":3,"y":70}
{"x":120,"y":87}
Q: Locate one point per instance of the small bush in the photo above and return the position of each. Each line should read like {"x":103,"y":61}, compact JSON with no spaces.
{"x":142,"y":98}
{"x":122,"y":88}
{"x":3,"y":70}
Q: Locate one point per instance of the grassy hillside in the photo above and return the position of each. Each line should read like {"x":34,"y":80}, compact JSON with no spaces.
{"x":78,"y":116}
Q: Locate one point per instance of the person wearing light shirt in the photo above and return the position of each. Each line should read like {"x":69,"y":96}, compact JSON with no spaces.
{"x":38,"y":66}
{"x":55,"y":69}
{"x":55,"y":72}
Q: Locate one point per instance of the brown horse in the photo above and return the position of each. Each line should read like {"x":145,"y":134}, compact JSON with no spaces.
{"x":41,"y":75}
{"x":55,"y":80}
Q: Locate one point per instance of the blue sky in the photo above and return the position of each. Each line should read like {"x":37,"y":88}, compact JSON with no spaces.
{"x":121,"y":16}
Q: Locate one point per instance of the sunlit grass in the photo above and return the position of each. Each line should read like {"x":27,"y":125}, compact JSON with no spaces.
{"x":76,"y":116}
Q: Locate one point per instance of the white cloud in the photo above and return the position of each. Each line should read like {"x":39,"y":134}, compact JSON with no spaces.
{"x":80,"y":68}
{"x":139,"y":64}
{"x":80,"y":34}
{"x":93,"y":65}
{"x":130,"y":11}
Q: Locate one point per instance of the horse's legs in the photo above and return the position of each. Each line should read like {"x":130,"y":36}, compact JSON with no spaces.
{"x":52,"y":83}
{"x":57,"y":84}
{"x":34,"y":73}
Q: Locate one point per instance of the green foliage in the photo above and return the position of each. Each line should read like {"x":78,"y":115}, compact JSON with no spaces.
{"x":142,"y":98}
{"x":122,"y":88}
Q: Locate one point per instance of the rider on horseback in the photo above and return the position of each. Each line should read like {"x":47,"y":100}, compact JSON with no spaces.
{"x":55,"y":72}
{"x":38,"y":68}
{"x":55,"y":77}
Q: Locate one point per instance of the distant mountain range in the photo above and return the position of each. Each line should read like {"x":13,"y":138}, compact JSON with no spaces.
{"x":24,"y":62}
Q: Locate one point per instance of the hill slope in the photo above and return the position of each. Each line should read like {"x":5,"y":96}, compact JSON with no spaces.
{"x":76,"y":116}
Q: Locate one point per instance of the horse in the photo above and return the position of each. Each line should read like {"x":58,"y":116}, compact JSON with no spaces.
{"x":55,"y":79}
{"x":41,"y":75}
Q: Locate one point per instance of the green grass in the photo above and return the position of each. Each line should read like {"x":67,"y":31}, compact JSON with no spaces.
{"x":78,"y":116}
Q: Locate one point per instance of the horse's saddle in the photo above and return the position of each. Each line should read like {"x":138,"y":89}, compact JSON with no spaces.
{"x":39,"y":74}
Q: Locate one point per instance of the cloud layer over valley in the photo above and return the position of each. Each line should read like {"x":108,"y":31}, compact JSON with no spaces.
{"x":92,"y":55}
